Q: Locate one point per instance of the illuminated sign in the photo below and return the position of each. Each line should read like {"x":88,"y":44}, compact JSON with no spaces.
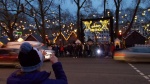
{"x":96,"y":26}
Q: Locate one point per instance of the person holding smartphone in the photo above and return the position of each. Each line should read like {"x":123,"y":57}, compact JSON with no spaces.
{"x":31,"y":59}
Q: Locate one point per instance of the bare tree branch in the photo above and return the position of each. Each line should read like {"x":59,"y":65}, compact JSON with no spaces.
{"x":75,"y":1}
{"x":82,"y":3}
{"x":47,"y":8}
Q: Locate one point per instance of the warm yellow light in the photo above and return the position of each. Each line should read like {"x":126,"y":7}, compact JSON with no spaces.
{"x":143,"y":14}
{"x":20,"y":40}
{"x":1,"y":44}
{"x":8,"y":39}
{"x":104,"y":24}
{"x":87,"y":24}
{"x":134,"y":20}
{"x":75,"y":30}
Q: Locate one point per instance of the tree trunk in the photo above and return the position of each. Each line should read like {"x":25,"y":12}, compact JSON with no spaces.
{"x":104,"y":8}
{"x":43,"y":22}
{"x":117,"y":23}
{"x":131,"y":23}
{"x":10,"y":33}
{"x":78,"y":24}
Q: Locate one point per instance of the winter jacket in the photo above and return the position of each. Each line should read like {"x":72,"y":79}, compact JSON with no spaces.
{"x":39,"y":77}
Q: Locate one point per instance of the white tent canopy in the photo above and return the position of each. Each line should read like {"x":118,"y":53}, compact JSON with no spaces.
{"x":117,"y":41}
{"x":78,"y":41}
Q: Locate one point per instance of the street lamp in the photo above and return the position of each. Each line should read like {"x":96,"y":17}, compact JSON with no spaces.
{"x":120,"y":34}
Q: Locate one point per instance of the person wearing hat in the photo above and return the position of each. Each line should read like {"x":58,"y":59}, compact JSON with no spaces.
{"x":31,"y":59}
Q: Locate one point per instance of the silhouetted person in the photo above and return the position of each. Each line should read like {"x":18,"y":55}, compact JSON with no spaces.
{"x":31,"y":60}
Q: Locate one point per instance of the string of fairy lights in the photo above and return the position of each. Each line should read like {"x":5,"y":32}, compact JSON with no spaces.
{"x":67,"y":29}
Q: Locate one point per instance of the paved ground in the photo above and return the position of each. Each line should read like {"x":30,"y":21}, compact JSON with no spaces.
{"x":91,"y":71}
{"x":98,"y":71}
{"x":82,"y":70}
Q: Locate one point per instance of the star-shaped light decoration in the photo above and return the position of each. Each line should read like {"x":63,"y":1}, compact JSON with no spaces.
{"x":87,"y":24}
{"x":104,"y":23}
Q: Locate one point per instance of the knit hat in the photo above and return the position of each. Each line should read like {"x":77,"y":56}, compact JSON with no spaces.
{"x":30,"y":58}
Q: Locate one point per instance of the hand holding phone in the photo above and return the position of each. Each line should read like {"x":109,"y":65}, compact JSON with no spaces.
{"x":53,"y":58}
{"x":48,"y":53}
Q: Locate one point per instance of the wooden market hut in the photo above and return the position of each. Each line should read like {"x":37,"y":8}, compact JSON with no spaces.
{"x":90,"y":41}
{"x":133,"y":38}
{"x":72,"y":37}
{"x":34,"y":37}
{"x":3,"y":41}
{"x":60,"y":39}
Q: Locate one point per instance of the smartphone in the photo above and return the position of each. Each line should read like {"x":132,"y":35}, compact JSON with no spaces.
{"x":48,"y":53}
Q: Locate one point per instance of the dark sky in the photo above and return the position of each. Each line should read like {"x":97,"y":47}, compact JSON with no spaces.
{"x":99,"y":5}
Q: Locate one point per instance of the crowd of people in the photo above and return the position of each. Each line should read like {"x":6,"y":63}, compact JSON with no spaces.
{"x":84,"y":50}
